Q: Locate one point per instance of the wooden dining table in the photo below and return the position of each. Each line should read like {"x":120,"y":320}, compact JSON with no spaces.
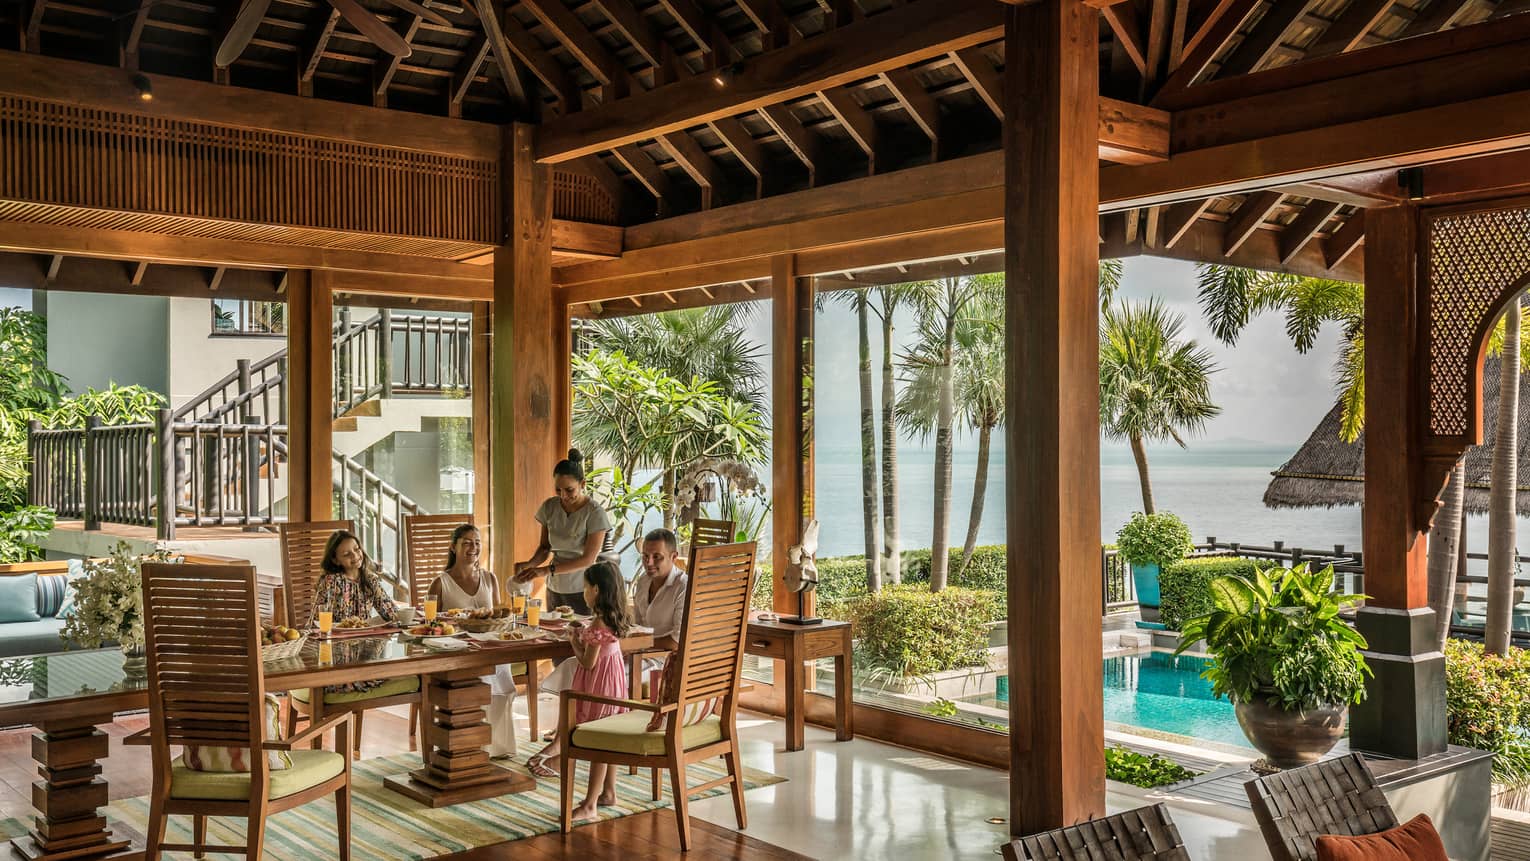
{"x":68,"y":696}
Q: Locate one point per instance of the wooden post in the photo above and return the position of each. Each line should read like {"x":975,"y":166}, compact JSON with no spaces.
{"x":1051,"y":242}
{"x":93,"y":474}
{"x":526,"y":390}
{"x":166,"y":488}
{"x":479,"y":380}
{"x":1404,"y":710}
{"x":790,"y":448}
{"x":385,"y":352}
{"x":310,"y":394}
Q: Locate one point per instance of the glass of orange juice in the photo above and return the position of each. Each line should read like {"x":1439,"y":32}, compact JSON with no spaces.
{"x":518,"y":602}
{"x":326,"y":622}
{"x":326,"y":652}
{"x":534,"y":612}
{"x":430,"y":609}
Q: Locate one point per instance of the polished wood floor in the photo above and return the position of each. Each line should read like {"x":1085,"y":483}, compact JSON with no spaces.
{"x":644,"y":837}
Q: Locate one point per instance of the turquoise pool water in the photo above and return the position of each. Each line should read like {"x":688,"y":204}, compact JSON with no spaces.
{"x":1158,"y":691}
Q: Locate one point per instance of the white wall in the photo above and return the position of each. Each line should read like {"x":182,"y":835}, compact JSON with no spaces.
{"x":99,"y":338}
{"x":15,"y":297}
{"x":199,"y":358}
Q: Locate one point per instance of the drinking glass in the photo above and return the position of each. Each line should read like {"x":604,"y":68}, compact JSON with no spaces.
{"x":534,"y":612}
{"x":326,"y":622}
{"x":430,"y":609}
{"x":326,"y":652}
{"x":518,"y":603}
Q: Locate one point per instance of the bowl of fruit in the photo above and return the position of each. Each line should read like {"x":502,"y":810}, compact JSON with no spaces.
{"x":437,"y":628}
{"x":279,"y":641}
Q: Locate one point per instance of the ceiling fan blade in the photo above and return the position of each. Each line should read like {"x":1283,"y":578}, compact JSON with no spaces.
{"x":425,"y":12}
{"x":251,"y":13}
{"x":372,"y":27}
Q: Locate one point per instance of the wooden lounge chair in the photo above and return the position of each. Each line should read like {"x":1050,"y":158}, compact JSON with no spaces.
{"x":302,"y":556}
{"x":1143,"y":834}
{"x":1334,"y":796}
{"x":706,"y":668}
{"x":206,"y":687}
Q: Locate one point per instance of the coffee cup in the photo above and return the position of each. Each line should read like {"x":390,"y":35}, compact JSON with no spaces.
{"x":404,"y":614}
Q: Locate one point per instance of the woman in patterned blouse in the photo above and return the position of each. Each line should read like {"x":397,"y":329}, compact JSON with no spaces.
{"x":350,"y":587}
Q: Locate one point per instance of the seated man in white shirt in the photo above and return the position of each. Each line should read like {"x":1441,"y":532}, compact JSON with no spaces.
{"x":658,"y":600}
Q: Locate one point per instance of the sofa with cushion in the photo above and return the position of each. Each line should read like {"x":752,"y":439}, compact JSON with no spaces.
{"x":35,"y":598}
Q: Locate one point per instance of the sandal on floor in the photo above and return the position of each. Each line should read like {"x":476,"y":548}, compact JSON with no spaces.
{"x":550,"y":735}
{"x":537,"y":765}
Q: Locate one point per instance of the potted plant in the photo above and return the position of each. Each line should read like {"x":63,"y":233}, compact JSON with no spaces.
{"x":1280,"y":651}
{"x":108,"y":607}
{"x":1147,"y":543}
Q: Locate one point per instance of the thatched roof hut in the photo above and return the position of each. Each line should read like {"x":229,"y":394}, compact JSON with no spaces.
{"x":1326,"y":471}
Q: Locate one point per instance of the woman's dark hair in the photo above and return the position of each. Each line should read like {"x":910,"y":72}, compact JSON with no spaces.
{"x":330,"y":566}
{"x":611,"y":601}
{"x":573,"y":466}
{"x":451,"y":546}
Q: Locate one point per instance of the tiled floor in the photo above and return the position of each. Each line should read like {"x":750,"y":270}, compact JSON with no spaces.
{"x":842,"y":800}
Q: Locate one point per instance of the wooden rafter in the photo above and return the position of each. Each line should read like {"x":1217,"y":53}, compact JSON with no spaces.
{"x":695,"y":162}
{"x":1350,"y":28}
{"x":1438,"y":15}
{"x":1159,"y":37}
{"x":1123,"y":22}
{"x":802,"y":143}
{"x":1179,"y":218}
{"x":856,"y":122}
{"x":759,"y":12}
{"x":383,"y":74}
{"x":644,"y":170}
{"x":1248,"y":217}
{"x":467,"y":72}
{"x":1262,"y":41}
{"x":578,"y":40}
{"x":541,"y":63}
{"x":509,"y":73}
{"x":986,"y":81}
{"x":132,"y":35}
{"x":32,"y":28}
{"x":899,"y":37}
{"x":1305,"y":227}
{"x":692,"y":20}
{"x":1344,"y":242}
{"x":313,"y":49}
{"x":743,"y":145}
{"x":1207,"y":41}
{"x":636,"y":30}
{"x":917,"y":103}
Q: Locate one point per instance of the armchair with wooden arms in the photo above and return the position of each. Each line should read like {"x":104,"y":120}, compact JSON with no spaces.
{"x":302,"y":560}
{"x":698,"y":706}
{"x":1143,"y":834}
{"x":207,"y":689}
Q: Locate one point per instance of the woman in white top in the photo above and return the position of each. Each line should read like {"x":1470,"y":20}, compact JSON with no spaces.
{"x":466,"y":586}
{"x":574,"y":528}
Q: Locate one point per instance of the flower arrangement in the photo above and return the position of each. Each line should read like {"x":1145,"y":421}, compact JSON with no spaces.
{"x":108,"y":603}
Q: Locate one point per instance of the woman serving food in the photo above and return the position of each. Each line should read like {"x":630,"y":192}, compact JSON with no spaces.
{"x":574,"y":528}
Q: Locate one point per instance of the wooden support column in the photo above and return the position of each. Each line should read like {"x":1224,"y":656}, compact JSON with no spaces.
{"x":1051,"y":239}
{"x":524,"y":406}
{"x":483,"y":462}
{"x":310,"y":394}
{"x":1404,"y":710}
{"x":791,"y":440}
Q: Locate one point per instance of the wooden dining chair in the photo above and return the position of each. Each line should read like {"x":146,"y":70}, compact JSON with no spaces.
{"x":699,"y":704}
{"x":302,"y":559}
{"x":706,"y":532}
{"x":1333,"y":796}
{"x":1143,"y":834}
{"x":428,"y":541}
{"x":207,"y":688}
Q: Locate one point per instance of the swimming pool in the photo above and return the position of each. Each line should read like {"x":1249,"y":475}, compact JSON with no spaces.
{"x":1158,"y":691}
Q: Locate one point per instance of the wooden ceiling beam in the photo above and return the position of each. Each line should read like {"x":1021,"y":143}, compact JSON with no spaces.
{"x":692,"y":20}
{"x":509,"y":72}
{"x":31,"y":33}
{"x":541,"y":63}
{"x":1349,"y":29}
{"x":1123,"y":21}
{"x":1224,"y":20}
{"x":759,"y":13}
{"x":917,"y":102}
{"x":467,"y":72}
{"x":215,"y":279}
{"x":136,"y":273}
{"x":55,"y":263}
{"x":1338,"y":247}
{"x":382,"y":76}
{"x":1159,"y":36}
{"x":1262,"y":41}
{"x":1437,"y":16}
{"x":986,"y":81}
{"x":1204,"y":240}
{"x":899,"y":37}
{"x":856,"y":122}
{"x":645,"y":171}
{"x":743,"y":145}
{"x":579,"y":41}
{"x":696,"y":163}
{"x":1179,"y":218}
{"x":635,"y":29}
{"x":132,"y":35}
{"x":1249,"y":217}
{"x":1305,"y":227}
{"x":802,"y":143}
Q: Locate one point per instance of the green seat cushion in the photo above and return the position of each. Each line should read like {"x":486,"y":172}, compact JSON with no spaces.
{"x":628,"y":733}
{"x":309,"y":768}
{"x":390,"y":688}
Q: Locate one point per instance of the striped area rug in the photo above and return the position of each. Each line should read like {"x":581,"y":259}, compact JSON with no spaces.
{"x":386,"y":826}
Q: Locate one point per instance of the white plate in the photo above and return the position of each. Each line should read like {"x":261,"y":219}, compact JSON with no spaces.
{"x":552,"y":616}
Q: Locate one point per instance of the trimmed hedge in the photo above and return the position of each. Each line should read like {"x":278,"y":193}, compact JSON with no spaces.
{"x":842,"y":579}
{"x":1184,"y":588}
{"x":910,"y":631}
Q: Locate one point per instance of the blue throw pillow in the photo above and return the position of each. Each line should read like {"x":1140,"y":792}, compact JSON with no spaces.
{"x":18,"y":598}
{"x":76,"y":571}
{"x":51,"y":589}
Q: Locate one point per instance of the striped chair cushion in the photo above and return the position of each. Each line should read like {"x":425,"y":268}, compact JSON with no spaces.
{"x":695,"y":712}
{"x":218,"y":758}
{"x":51,"y":590}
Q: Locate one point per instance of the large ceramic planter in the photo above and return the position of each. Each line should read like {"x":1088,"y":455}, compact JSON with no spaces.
{"x":1292,"y":739}
{"x":1145,"y":585}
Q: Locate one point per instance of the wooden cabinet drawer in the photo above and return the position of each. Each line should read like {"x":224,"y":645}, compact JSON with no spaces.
{"x":765,"y":645}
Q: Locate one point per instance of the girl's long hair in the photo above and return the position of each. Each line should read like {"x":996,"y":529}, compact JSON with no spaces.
{"x":369,"y":569}
{"x":451,"y":549}
{"x":611,"y":598}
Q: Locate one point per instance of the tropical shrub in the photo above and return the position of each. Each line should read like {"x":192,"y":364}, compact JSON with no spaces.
{"x":1184,"y":588}
{"x":21,"y":529}
{"x":1487,"y":706}
{"x":1278,"y":637}
{"x":1154,"y":539}
{"x":911,"y":631}
{"x":1143,"y":770}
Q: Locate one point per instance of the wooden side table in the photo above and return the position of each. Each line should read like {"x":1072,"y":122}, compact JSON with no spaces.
{"x":796,"y":645}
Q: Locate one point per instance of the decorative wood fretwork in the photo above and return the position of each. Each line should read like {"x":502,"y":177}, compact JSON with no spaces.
{"x":59,"y":153}
{"x":578,"y":197}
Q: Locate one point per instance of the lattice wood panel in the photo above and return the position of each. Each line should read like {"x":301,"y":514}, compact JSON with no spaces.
{"x":1474,"y":260}
{"x":580,"y":198}
{"x":68,"y":154}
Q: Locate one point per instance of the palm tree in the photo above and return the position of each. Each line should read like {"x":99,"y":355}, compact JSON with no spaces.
{"x":889,"y":297}
{"x":708,"y":343}
{"x":1444,"y":545}
{"x":928,"y":402}
{"x":1153,"y":385}
{"x":860,"y":301}
{"x":1505,"y":483}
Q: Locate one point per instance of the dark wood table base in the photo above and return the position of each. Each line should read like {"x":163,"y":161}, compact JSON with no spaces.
{"x":456,"y":768}
{"x":71,"y":793}
{"x":797,"y":645}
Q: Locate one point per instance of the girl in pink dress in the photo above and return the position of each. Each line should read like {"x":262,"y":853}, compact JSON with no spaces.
{"x":601,"y":671}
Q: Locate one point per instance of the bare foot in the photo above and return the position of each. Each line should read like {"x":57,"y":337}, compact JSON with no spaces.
{"x":608,"y":800}
{"x":585,"y":812}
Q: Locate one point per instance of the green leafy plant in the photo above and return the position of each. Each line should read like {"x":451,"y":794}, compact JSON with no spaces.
{"x":1278,"y":637}
{"x":1487,"y":706}
{"x":911,"y":631}
{"x":1143,"y":770}
{"x":108,"y":604}
{"x":21,"y":530}
{"x":1185,"y":587}
{"x":941,"y":707}
{"x":1154,"y":539}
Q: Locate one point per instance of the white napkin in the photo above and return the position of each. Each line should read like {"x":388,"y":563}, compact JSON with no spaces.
{"x":444,"y":644}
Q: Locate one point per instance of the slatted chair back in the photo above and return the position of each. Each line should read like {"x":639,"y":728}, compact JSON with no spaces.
{"x":712,"y":637}
{"x":1144,"y":834}
{"x":705,"y":532}
{"x":302,"y":563}
{"x":202,"y":636}
{"x":429,"y":540}
{"x":1334,"y":796}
